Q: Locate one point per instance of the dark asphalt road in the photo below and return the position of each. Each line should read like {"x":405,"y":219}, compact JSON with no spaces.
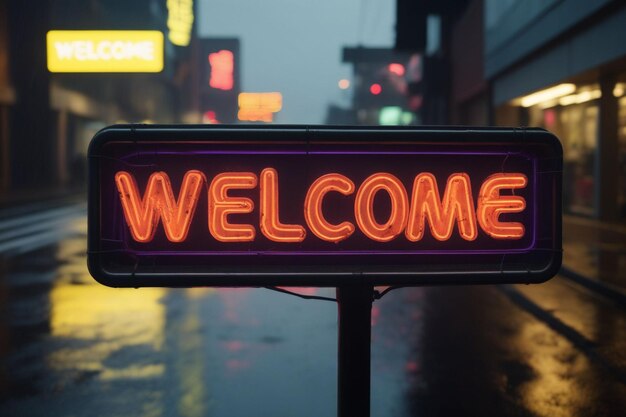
{"x":71,"y":347}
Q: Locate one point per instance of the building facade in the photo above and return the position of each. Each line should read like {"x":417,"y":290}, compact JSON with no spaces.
{"x":556,"y":64}
{"x":381,"y":77}
{"x":47,"y":118}
{"x":561,"y":65}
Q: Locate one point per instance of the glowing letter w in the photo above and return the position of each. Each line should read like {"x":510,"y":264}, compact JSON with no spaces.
{"x":142,"y":214}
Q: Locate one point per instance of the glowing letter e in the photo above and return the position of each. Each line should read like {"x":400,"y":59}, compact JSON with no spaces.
{"x":491,"y":205}
{"x":142,"y":214}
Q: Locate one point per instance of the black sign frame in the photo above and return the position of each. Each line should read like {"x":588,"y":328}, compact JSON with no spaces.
{"x":119,"y":265}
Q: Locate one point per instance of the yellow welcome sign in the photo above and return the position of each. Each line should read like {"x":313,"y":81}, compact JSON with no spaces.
{"x":105,"y":51}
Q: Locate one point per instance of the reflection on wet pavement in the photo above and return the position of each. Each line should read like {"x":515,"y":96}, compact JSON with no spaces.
{"x":603,"y":324}
{"x":504,"y":364}
{"x":595,"y":250}
{"x":105,"y":332}
{"x":552,"y":390}
{"x":396,"y":357}
{"x":69,"y":346}
{"x":152,"y":351}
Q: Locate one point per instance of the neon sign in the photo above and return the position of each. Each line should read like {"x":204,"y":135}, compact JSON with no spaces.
{"x":180,"y":21}
{"x":300,"y":206}
{"x":105,"y":51}
{"x":142,"y":214}
{"x":397,"y":69}
{"x":259,"y":107}
{"x":222,"y":66}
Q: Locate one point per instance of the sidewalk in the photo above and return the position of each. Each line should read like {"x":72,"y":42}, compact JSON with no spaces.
{"x":594,"y":254}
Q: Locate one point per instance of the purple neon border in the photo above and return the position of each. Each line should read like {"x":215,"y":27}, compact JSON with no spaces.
{"x":535,"y":208}
{"x":350,"y":253}
{"x":330,"y":253}
{"x":236,"y":152}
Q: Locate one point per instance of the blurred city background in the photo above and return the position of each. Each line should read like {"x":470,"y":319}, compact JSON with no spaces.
{"x":70,"y":347}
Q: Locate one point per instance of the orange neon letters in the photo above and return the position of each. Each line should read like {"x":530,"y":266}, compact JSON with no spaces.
{"x":142,"y":214}
{"x":491,"y":205}
{"x":270,"y":223}
{"x":221,"y":205}
{"x":364,"y":207}
{"x":313,"y":207}
{"x":457,"y":203}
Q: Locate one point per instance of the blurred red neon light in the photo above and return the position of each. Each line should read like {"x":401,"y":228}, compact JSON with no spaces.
{"x":222,"y":65}
{"x":397,"y":69}
{"x":376,"y":89}
{"x":209,"y":117}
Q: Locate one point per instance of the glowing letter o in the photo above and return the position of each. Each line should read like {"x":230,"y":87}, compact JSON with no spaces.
{"x":364,"y":207}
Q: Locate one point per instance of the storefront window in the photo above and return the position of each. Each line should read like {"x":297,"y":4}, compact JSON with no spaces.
{"x":621,"y":196}
{"x":574,"y":119}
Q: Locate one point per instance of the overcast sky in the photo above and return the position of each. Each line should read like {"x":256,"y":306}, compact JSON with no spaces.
{"x":294,"y":46}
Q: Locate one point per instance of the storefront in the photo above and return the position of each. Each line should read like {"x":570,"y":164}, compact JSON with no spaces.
{"x":620,"y":92}
{"x":562,"y":67}
{"x":590,"y":119}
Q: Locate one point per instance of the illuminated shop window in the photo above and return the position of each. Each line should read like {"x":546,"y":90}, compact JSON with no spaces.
{"x":621,"y":129}
{"x":572,"y":113}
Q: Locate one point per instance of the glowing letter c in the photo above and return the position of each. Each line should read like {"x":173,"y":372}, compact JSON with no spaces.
{"x":313,"y":207}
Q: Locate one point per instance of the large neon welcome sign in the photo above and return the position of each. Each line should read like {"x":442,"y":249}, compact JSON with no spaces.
{"x":298,"y":206}
{"x":142,"y":213}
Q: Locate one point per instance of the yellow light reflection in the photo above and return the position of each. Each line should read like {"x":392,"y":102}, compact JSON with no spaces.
{"x":553,"y":391}
{"x":189,"y":363}
{"x":134,"y":372}
{"x":102,"y":320}
{"x":196,"y":293}
{"x":93,"y":311}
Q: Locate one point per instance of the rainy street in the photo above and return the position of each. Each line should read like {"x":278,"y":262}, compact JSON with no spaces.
{"x":70,"y":346}
{"x":447,"y":152}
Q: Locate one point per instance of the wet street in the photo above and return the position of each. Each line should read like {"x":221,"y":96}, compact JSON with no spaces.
{"x":71,"y":347}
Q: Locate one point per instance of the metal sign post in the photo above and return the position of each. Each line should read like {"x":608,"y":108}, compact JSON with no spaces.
{"x":354,"y":346}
